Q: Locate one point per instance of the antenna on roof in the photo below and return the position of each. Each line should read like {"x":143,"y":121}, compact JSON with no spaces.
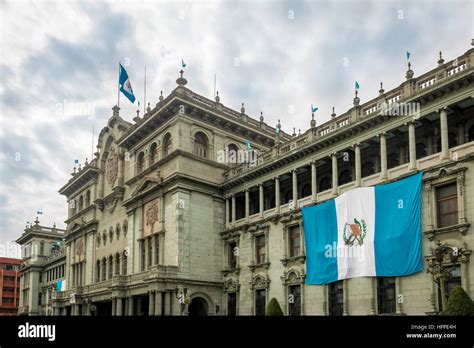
{"x":215,"y":84}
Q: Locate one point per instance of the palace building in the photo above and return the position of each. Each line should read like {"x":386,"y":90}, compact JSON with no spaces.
{"x":158,"y":225}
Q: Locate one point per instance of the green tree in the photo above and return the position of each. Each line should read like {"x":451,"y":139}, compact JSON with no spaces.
{"x":459,"y":303}
{"x":274,"y":308}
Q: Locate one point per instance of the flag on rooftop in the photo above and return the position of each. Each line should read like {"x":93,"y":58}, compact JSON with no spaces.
{"x":125,"y":85}
{"x":357,"y":86}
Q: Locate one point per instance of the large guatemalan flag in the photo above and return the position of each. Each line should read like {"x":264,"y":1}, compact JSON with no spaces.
{"x":125,"y":85}
{"x":365,"y":232}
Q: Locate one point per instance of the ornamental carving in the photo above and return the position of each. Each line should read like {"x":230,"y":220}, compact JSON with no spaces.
{"x":151,"y":217}
{"x":111,"y":167}
{"x":79,"y":246}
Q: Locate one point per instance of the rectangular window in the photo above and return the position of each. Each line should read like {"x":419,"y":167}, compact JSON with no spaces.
{"x":447,"y":205}
{"x":336,"y":298}
{"x":150,"y":252}
{"x":232,"y":255}
{"x":294,"y":241}
{"x":260,"y":302}
{"x":104,"y":270}
{"x":111,"y":267}
{"x":117,"y":264}
{"x":157,"y":250}
{"x":260,"y":248}
{"x":294,"y":300}
{"x":386,"y":296}
{"x":232,"y":304}
{"x":143,"y":254}
{"x":449,"y":285}
{"x":124,"y":265}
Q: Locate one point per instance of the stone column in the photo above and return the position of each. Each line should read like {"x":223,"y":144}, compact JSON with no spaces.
{"x":119,"y":306}
{"x":277,"y":194}
{"x":294,"y":178}
{"x":335,"y":183}
{"x":247,"y":204}
{"x":158,"y":303}
{"x":151,"y":303}
{"x":130,"y":306}
{"x":460,"y":133}
{"x":383,"y":157}
{"x":120,"y":170}
{"x":167,"y":295}
{"x":233,"y":210}
{"x":443,"y":119}
{"x":114,"y":303}
{"x":260,"y":199}
{"x":101,"y":184}
{"x":314,"y":186}
{"x":412,"y":145}
{"x":227,"y":212}
{"x":358,"y":167}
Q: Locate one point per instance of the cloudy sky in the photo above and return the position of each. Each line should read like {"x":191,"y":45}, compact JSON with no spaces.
{"x":59,"y":62}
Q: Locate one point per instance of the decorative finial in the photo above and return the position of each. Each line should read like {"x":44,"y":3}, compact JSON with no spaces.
{"x":115,"y":110}
{"x":261,"y":116}
{"x":37,"y":221}
{"x":86,"y":163}
{"x":440,"y":60}
{"x":137,"y":118}
{"x":218,"y":99}
{"x":148,"y":109}
{"x":54,"y":224}
{"x":74,"y":172}
{"x":181,"y":80}
{"x":356,"y":99}
{"x":294,"y":132}
{"x":333,"y":113}
{"x":410,"y":72}
{"x":242,"y":109}
{"x":161,"y":96}
{"x":279,"y":126}
{"x":381,"y":90}
{"x":472,"y":42}
{"x":299,"y":132}
{"x":313,"y":121}
{"x":79,"y":167}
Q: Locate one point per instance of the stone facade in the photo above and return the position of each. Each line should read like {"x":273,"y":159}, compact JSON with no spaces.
{"x":159,"y":225}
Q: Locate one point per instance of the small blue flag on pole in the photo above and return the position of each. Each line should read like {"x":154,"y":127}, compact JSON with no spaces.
{"x":357,"y":86}
{"x":408,"y":55}
{"x":183,"y":65}
{"x":76,"y":161}
{"x":39,"y":212}
{"x":247,"y":145}
{"x":125,"y":85}
{"x":313,"y":109}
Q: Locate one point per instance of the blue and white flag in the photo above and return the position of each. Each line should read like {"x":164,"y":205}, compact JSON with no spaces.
{"x":247,"y":145}
{"x":313,"y":108}
{"x":408,"y":55}
{"x":183,"y":64}
{"x":125,"y":85}
{"x":365,"y":232}
{"x":357,"y":86}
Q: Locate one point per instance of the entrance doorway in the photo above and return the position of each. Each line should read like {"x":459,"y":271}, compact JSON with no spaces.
{"x":198,"y":307}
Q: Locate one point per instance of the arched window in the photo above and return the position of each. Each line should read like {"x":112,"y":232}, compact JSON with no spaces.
{"x":232,"y":154}
{"x":153,"y":154}
{"x":97,"y":272}
{"x":141,"y":163}
{"x":345,"y":177}
{"x":88,"y":198}
{"x":117,"y":231}
{"x":81,"y":203}
{"x":201,"y":145}
{"x":111,"y":266}
{"x":470,"y":134}
{"x":420,"y":150}
{"x":117,"y":264}
{"x":111,"y":234}
{"x":125,"y":228}
{"x":98,"y":240}
{"x":73,"y":207}
{"x":124,"y":264}
{"x":287,"y":196}
{"x":392,"y":160}
{"x":305,"y":191}
{"x":167,"y":145}
{"x":367,"y":169}
{"x":104,"y":237}
{"x":324,"y":184}
{"x":104,"y":269}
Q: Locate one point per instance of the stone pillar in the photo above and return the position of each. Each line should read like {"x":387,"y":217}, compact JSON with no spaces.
{"x":130,"y":306}
{"x":158,"y":303}
{"x":151,"y":303}
{"x":167,"y":295}
{"x":120,"y":170}
{"x":247,"y":204}
{"x":314,"y":186}
{"x":443,"y":119}
{"x":119,"y":306}
{"x":358,"y":167}
{"x":335,"y":182}
{"x":412,"y":145}
{"x":260,"y":199}
{"x":383,"y":157}
{"x":114,"y":303}
{"x":294,"y":178}
{"x":233,"y":210}
{"x":277,"y":194}
{"x":227,"y":212}
{"x":460,"y":133}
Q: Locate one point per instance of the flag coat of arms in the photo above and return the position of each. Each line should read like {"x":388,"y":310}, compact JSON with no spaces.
{"x":365,"y":232}
{"x":125,"y":85}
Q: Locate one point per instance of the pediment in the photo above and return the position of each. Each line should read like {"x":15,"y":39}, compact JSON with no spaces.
{"x":146,"y":184}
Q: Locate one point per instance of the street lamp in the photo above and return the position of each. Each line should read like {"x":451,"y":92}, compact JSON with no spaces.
{"x":182,"y":297}
{"x":442,"y":272}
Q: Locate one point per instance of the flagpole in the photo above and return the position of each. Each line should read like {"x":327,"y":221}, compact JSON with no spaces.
{"x":118,"y":87}
{"x":215,"y":79}
{"x":144,"y":94}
